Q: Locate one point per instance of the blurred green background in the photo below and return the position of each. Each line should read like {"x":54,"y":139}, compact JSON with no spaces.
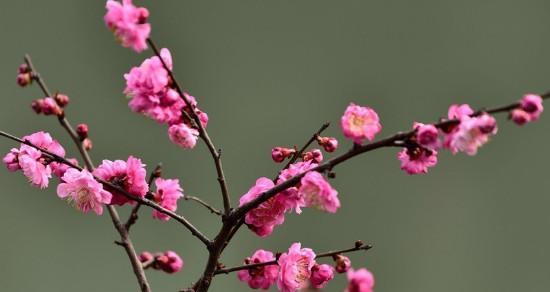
{"x":270,"y":73}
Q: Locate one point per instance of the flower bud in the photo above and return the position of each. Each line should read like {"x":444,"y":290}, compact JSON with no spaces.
{"x":82,"y":131}
{"x":321,"y":275}
{"x":519,"y":116}
{"x":24,"y":79}
{"x":37,"y":105}
{"x":279,"y":154}
{"x":328,"y":143}
{"x":342,"y":263}
{"x":50,"y":107}
{"x":87,"y":144}
{"x":23,"y":68}
{"x":61,"y":99}
{"x":314,"y":155}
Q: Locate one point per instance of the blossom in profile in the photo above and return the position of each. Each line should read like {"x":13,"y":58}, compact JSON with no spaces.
{"x":359,"y":123}
{"x":260,"y":277}
{"x":329,"y":144}
{"x":167,"y":194}
{"x":472,"y":133}
{"x":81,"y":189}
{"x":169,"y":262}
{"x":295,"y":268}
{"x":529,"y":110}
{"x":129,"y":175}
{"x":183,"y":136}
{"x":128,"y":23}
{"x":321,"y":275}
{"x":318,"y":193}
{"x":361,"y":280}
{"x":417,"y":160}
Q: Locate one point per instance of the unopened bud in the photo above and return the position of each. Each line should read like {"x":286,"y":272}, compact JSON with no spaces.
{"x":82,"y":131}
{"x":342,"y":263}
{"x":330,"y":144}
{"x":279,"y":154}
{"x":314,"y":155}
{"x":23,"y":68}
{"x":87,"y":144}
{"x":24,"y":79}
{"x":62,"y":99}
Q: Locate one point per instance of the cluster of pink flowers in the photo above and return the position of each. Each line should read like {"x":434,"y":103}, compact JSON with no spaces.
{"x":169,"y":261}
{"x":167,"y":194}
{"x":128,"y":23}
{"x":297,"y":269}
{"x":36,"y":166}
{"x":151,"y":90}
{"x":529,"y":110}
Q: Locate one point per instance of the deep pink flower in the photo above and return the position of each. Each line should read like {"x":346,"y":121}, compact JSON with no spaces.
{"x":291,"y":196}
{"x":183,"y":136}
{"x":47,"y":106}
{"x":427,"y":136}
{"x":417,"y":160}
{"x":321,"y":275}
{"x":128,"y":23}
{"x":81,"y":189}
{"x":30,"y":160}
{"x":170,"y":262}
{"x":59,"y":168}
{"x":360,"y":281}
{"x":318,"y":193}
{"x":129,"y":175}
{"x":342,"y":263}
{"x":260,"y":277}
{"x":145,"y":257}
{"x":520,"y":117}
{"x":279,"y":154}
{"x":167,"y":194}
{"x":295,"y":268}
{"x":270,"y":213}
{"x":530,"y":109}
{"x":359,"y":123}
{"x":472,"y":133}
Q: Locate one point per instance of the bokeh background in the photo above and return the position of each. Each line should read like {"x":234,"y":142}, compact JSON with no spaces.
{"x":270,"y":73}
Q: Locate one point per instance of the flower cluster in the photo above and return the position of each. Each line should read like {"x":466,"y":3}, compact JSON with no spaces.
{"x":128,"y":23}
{"x":152,"y":94}
{"x":169,"y":261}
{"x":298,"y":269}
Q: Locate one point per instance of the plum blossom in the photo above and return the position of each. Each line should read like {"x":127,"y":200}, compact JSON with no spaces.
{"x":417,"y":160}
{"x":167,"y":194}
{"x":295,"y":268}
{"x":129,"y":175}
{"x":183,"y":136}
{"x":359,"y":123}
{"x":81,"y":189}
{"x":342,"y":263}
{"x":170,"y":262}
{"x":279,"y":154}
{"x":459,"y":112}
{"x":329,"y":144}
{"x":427,"y":136}
{"x":291,"y":196}
{"x":321,"y":275}
{"x":318,"y":193}
{"x":360,"y":280}
{"x":59,"y":168}
{"x":529,"y":110}
{"x":261,"y":277}
{"x":314,"y":155}
{"x":472,"y":133}
{"x":128,"y":23}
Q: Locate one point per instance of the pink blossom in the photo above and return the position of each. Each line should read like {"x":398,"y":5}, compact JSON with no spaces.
{"x":459,"y":111}
{"x":361,"y":280}
{"x":183,"y":136}
{"x":342,"y":263}
{"x":427,"y":136}
{"x":129,"y":23}
{"x":80,"y":188}
{"x":314,"y":155}
{"x":359,"y":123}
{"x":47,"y":106}
{"x":35,"y":170}
{"x":318,"y":193}
{"x":279,"y":154}
{"x":330,"y":144}
{"x":260,"y":277}
{"x":145,"y":257}
{"x":129,"y":175}
{"x":520,"y":117}
{"x":530,"y":109}
{"x":167,"y":195}
{"x":291,"y":197}
{"x":59,"y":168}
{"x":295,"y":268}
{"x":170,"y":262}
{"x":321,"y":275}
{"x":11,"y":160}
{"x":417,"y":160}
{"x":270,"y":213}
{"x":472,"y":133}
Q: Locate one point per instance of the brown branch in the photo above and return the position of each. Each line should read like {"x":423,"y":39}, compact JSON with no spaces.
{"x":216,"y":154}
{"x":358,"y":246}
{"x":134,"y":214}
{"x":313,"y":138}
{"x":123,"y":232}
{"x":203,"y":203}
{"x":143,"y":201}
{"x":390,"y":141}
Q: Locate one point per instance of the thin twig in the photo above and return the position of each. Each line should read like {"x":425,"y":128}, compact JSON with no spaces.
{"x":357,"y":247}
{"x":134,"y":214}
{"x":215,"y":153}
{"x":203,"y":203}
{"x":313,"y":138}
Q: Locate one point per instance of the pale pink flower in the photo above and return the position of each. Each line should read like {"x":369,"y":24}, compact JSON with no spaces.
{"x":260,"y":277}
{"x":81,"y":189}
{"x":360,"y":280}
{"x":170,"y":262}
{"x":321,"y":275}
{"x":295,"y":268}
{"x":128,"y":23}
{"x":11,"y":160}
{"x":318,"y":193}
{"x":417,"y":160}
{"x":427,"y":136}
{"x":459,"y":111}
{"x":270,"y":213}
{"x":35,"y":169}
{"x":359,"y":123}
{"x":183,"y":136}
{"x":129,"y":175}
{"x":291,"y":196}
{"x":472,"y":133}
{"x":167,"y":194}
{"x":342,"y":263}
